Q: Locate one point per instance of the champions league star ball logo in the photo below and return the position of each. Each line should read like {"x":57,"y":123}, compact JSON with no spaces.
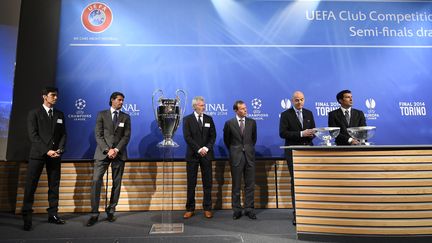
{"x":80,"y":104}
{"x":96,"y":17}
{"x":256,"y":103}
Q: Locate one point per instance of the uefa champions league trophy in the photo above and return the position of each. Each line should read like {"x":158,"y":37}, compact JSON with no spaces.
{"x":326,"y":134}
{"x":168,"y":115}
{"x":362,"y":133}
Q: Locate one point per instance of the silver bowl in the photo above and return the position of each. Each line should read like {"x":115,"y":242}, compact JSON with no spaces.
{"x":362,"y":133}
{"x":326,"y":134}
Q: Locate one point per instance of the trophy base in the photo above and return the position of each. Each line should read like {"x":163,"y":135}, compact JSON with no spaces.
{"x":167,"y":143}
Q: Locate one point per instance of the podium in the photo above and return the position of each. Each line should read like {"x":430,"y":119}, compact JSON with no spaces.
{"x":167,"y":226}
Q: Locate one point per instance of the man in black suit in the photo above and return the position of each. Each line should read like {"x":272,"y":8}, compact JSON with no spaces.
{"x":112,"y":131}
{"x":240,"y":136}
{"x":200,"y":134}
{"x":47,"y":133}
{"x":296,"y":127}
{"x":345,"y":117}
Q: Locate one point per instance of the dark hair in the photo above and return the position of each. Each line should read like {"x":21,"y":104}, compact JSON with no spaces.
{"x":340,"y":95}
{"x":114,"y":96}
{"x":238,"y":102}
{"x":48,"y":90}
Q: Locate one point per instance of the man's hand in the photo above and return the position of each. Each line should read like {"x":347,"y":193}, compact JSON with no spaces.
{"x":112,"y":153}
{"x":53,"y":154}
{"x":202,"y":151}
{"x":308,"y":133}
{"x":355,"y":142}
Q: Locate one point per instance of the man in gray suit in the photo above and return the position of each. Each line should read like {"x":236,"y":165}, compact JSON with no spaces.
{"x":240,"y":136}
{"x":112,"y":131}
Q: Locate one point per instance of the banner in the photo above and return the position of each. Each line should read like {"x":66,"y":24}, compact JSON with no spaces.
{"x":256,"y":51}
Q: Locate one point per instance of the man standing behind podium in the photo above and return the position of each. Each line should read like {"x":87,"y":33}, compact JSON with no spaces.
{"x":240,"y":136}
{"x":47,"y":133}
{"x":345,"y":117}
{"x":295,"y":127}
{"x":112,"y":132}
{"x":200,"y":134}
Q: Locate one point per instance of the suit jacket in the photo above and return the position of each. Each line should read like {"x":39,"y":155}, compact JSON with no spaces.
{"x":290,"y":127}
{"x":336,"y":118}
{"x":197,"y":138}
{"x":45,"y":134}
{"x":237,"y":144}
{"x":109,"y":137}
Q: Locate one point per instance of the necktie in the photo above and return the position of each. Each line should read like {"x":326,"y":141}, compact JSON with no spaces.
{"x":115,"y":119}
{"x":347,"y":116}
{"x":242,"y":126}
{"x":300,"y":117}
{"x":50,"y":114}
{"x":200,"y":122}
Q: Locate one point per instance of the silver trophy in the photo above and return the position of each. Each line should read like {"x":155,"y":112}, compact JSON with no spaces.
{"x":168,"y":115}
{"x":362,"y":133}
{"x":326,"y":134}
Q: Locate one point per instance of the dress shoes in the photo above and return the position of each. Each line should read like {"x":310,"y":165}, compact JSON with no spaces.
{"x":294,"y":221}
{"x":251,"y":215}
{"x":188,"y":214}
{"x":92,"y":221}
{"x":56,"y":220}
{"x":27,"y":222}
{"x":110,"y":217}
{"x":27,"y":226}
{"x":237,"y":215}
{"x":208,"y":214}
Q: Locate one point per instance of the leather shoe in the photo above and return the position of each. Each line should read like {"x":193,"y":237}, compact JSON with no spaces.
{"x":110,"y":217}
{"x":92,"y":221}
{"x":27,"y":226}
{"x":294,"y":222}
{"x":56,"y":220}
{"x":237,"y":215}
{"x":208,"y":214}
{"x":251,"y":215}
{"x":188,"y":214}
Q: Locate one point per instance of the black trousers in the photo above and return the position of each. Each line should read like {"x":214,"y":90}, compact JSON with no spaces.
{"x":207,"y":182}
{"x":289,"y":159}
{"x":247,"y":171}
{"x":34,"y":171}
{"x":100,"y":167}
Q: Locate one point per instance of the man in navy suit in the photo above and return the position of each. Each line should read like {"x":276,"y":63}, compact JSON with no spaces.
{"x":240,"y":136}
{"x":296,"y":127}
{"x":200,"y":134}
{"x":112,"y":132}
{"x":345,"y":117}
{"x":47,"y":133}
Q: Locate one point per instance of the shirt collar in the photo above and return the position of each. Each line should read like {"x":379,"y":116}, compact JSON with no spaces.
{"x":112,"y":110}
{"x":196,"y":115}
{"x":47,"y":108}
{"x":343,"y":110}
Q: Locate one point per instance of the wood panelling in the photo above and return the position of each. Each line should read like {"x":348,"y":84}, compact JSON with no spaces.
{"x":363,"y":192}
{"x":148,"y":186}
{"x":8,"y":185}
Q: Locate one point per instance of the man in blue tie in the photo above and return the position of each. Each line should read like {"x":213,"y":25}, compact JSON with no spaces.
{"x":345,"y":117}
{"x":295,"y":126}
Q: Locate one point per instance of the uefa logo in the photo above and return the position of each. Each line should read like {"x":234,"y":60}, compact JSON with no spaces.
{"x":286,"y":104}
{"x":370,"y":103}
{"x":256,"y":103}
{"x":80,"y":104}
{"x":96,"y":17}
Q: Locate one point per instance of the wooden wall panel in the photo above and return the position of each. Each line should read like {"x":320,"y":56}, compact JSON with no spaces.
{"x":363,"y":192}
{"x":148,"y":186}
{"x":8,"y":185}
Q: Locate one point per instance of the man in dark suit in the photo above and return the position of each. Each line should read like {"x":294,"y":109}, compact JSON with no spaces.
{"x":47,"y":133}
{"x":296,"y":127}
{"x":112,"y":131}
{"x":200,"y":134}
{"x":345,"y":117}
{"x":240,"y":136}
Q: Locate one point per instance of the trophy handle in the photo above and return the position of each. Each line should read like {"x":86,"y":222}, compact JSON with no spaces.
{"x":159,"y":94}
{"x":183,"y":109}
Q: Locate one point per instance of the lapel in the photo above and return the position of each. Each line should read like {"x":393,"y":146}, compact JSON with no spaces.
{"x":342,"y":117}
{"x":294,"y":117}
{"x":54,"y":120}
{"x":109,"y":120}
{"x":236,"y":126}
